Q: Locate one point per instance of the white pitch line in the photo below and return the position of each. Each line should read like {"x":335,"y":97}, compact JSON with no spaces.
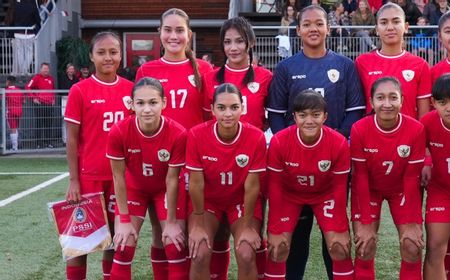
{"x":31,"y":173}
{"x":33,"y":189}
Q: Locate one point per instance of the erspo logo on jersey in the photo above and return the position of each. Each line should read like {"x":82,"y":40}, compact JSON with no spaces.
{"x":242,"y":160}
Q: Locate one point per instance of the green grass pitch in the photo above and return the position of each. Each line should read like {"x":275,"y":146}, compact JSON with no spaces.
{"x":29,"y":247}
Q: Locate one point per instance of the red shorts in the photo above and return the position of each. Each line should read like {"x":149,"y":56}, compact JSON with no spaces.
{"x":438,"y":207}
{"x":399,"y":213}
{"x":284,"y":218}
{"x":139,"y":202}
{"x":107,"y":187}
{"x":13,"y":122}
{"x":232,"y":212}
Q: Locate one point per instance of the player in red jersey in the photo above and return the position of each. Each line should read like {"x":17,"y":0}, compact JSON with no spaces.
{"x":94,"y":105}
{"x":224,"y":181}
{"x":237,"y":40}
{"x":443,"y":67}
{"x":180,"y":75}
{"x":392,"y":60}
{"x":313,"y":171}
{"x":14,"y":102}
{"x":388,"y":151}
{"x":436,"y":175}
{"x":147,"y":152}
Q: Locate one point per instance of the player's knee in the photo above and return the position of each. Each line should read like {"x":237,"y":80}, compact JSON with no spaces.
{"x":369,"y":251}
{"x":409,"y":250}
{"x":337,"y":251}
{"x":245,"y":254}
{"x":202,"y":259}
{"x":436,"y":250}
{"x":282,"y":253}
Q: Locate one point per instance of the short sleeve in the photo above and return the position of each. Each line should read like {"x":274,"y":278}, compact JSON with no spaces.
{"x":114,"y":144}
{"x":424,"y":86}
{"x":258,"y":164}
{"x":74,"y":108}
{"x":274,"y":161}
{"x":179,"y":150}
{"x":193,"y":161}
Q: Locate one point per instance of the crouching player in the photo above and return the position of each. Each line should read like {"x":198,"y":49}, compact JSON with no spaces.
{"x":308,"y":165}
{"x":388,"y":151}
{"x":147,"y":152}
{"x":437,"y":177}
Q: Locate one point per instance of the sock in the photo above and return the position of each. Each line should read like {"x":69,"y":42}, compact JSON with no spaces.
{"x":447,"y":261}
{"x":159,"y":263}
{"x":121,"y":268}
{"x":106,"y":267}
{"x":411,"y":271}
{"x":14,"y":142}
{"x":275,"y":270}
{"x":343,"y":270}
{"x":364,"y":270}
{"x":76,"y":272}
{"x":178,"y":264}
{"x":220,"y":260}
{"x":261,"y":258}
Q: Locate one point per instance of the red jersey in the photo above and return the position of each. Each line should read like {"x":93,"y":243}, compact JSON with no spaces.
{"x":388,"y":162}
{"x":96,"y":106}
{"x":225,"y":166}
{"x":14,"y":101}
{"x":40,"y":82}
{"x":438,"y":143}
{"x":147,"y":158}
{"x":308,"y":171}
{"x":440,"y":69}
{"x":253,"y":94}
{"x":184,"y":100}
{"x":412,"y":71}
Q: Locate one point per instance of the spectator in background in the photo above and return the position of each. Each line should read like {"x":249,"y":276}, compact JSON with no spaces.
{"x":84,"y":73}
{"x":441,"y":8}
{"x":327,"y":5}
{"x":364,"y":16}
{"x":338,"y":17}
{"x":350,"y":7}
{"x":14,"y":102}
{"x":289,"y":15}
{"x":43,"y":103}
{"x":421,"y":43}
{"x":66,"y":81}
{"x":208,"y":57}
{"x":411,"y":11}
{"x":429,"y":8}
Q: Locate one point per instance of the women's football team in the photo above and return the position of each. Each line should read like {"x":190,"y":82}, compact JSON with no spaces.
{"x":185,"y":144}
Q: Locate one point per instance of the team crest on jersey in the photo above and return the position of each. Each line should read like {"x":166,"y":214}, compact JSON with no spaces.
{"x":191,"y":79}
{"x":163,"y":155}
{"x":253,"y":87}
{"x":408,"y":75}
{"x":403,"y":151}
{"x":79,"y":215}
{"x":333,"y":75}
{"x":324,"y":165}
{"x":242,"y":160}
{"x":127,"y":102}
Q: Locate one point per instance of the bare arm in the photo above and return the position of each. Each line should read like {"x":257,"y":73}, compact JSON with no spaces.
{"x":73,"y":191}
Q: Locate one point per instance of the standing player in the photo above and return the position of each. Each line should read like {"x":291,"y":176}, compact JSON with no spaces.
{"x":332,"y":75}
{"x":14,"y":102}
{"x":94,"y":105}
{"x":437,"y":177}
{"x":443,"y":67}
{"x":392,"y":60}
{"x":312,"y":172}
{"x":224,"y":181}
{"x":180,"y":75}
{"x":146,"y":153}
{"x":387,"y":150}
{"x":237,"y":40}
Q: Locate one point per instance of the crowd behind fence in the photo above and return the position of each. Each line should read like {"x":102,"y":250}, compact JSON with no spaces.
{"x":40,"y":127}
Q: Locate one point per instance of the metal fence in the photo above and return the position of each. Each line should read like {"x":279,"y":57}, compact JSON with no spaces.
{"x":351,"y":46}
{"x":28,"y":124}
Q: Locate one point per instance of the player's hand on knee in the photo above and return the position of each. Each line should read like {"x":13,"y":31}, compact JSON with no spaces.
{"x":363,"y":236}
{"x":124,"y":231}
{"x":277,"y":243}
{"x":250,"y":236}
{"x":173,"y":234}
{"x":414,"y":233}
{"x":341,"y":243}
{"x":196,"y":236}
{"x":73,"y":194}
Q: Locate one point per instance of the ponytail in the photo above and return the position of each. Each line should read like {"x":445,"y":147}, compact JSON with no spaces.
{"x":197,"y":78}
